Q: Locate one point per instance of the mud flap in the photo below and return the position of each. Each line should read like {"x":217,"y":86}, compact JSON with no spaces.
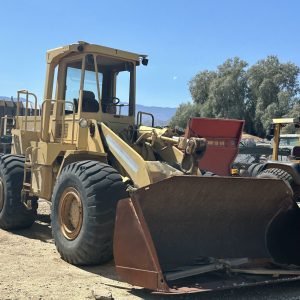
{"x":184,"y":220}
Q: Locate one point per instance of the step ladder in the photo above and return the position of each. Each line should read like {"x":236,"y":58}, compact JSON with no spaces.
{"x":26,"y":190}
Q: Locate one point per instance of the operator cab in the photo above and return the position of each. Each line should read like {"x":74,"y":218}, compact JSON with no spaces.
{"x":104,"y":84}
{"x":88,"y":82}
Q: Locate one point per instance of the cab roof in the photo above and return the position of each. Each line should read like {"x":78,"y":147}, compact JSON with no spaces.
{"x":54,"y":55}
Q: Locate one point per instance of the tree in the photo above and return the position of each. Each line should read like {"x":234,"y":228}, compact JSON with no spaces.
{"x":183,"y":113}
{"x":218,"y":93}
{"x":199,"y":86}
{"x":293,"y":113}
{"x":266,"y":90}
{"x":228,"y":90}
{"x":273,"y":87}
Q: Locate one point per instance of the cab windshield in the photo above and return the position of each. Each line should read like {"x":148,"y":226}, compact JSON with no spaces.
{"x":108,"y":85}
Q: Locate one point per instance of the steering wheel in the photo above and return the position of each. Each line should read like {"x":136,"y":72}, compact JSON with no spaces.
{"x":115,"y":101}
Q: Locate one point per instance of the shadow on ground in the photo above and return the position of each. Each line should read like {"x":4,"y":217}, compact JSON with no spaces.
{"x":287,"y":290}
{"x":40,"y":230}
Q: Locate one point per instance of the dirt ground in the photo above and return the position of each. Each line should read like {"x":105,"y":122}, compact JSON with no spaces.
{"x":31,"y":268}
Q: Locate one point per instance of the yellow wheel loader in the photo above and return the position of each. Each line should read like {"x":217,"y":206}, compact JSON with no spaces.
{"x":120,"y":188}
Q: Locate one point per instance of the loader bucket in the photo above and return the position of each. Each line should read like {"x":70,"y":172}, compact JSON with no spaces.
{"x":168,"y":232}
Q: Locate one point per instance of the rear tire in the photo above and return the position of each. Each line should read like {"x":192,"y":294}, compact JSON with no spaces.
{"x":13,"y":213}
{"x":277,"y":174}
{"x":83,"y":211}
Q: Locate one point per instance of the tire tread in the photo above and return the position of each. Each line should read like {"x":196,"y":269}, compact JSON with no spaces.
{"x":103,"y":187}
{"x":14,"y":215}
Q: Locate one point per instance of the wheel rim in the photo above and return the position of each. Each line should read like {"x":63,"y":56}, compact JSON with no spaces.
{"x":1,"y":195}
{"x":70,"y":213}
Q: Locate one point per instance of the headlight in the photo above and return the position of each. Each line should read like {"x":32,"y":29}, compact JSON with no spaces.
{"x":83,"y":123}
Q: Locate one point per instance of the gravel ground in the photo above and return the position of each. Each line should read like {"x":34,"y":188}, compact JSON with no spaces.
{"x":30,"y":268}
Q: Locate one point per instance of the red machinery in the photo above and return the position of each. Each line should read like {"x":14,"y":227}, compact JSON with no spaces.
{"x":223,"y":137}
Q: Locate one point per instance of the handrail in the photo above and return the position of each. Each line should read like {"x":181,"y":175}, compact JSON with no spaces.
{"x":140,"y":115}
{"x":63,"y":117}
{"x":27,"y":93}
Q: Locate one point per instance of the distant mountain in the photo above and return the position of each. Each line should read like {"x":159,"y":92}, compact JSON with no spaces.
{"x":6,"y":98}
{"x":162,"y":115}
{"x":14,"y":98}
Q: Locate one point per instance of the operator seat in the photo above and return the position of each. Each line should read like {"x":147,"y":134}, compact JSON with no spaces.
{"x":89,"y":102}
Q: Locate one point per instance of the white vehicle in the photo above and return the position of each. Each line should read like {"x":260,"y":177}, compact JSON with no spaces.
{"x":289,"y":140}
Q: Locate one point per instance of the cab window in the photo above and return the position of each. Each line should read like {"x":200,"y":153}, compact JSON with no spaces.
{"x":90,"y":92}
{"x":72,"y":89}
{"x":115,"y":85}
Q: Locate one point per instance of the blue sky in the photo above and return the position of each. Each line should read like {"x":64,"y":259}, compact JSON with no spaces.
{"x":180,"y":37}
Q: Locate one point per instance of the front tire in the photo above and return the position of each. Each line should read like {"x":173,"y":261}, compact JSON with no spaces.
{"x":83,"y":211}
